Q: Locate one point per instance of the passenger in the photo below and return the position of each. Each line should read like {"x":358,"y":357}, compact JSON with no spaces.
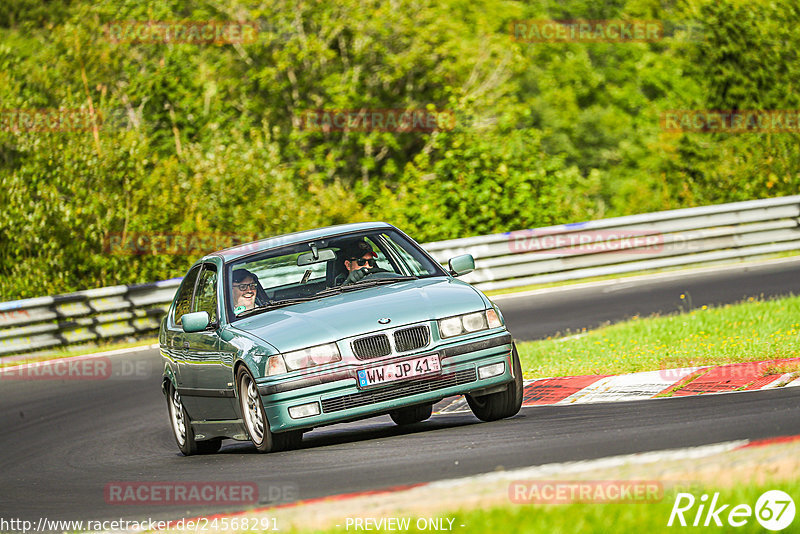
{"x":245,"y":285}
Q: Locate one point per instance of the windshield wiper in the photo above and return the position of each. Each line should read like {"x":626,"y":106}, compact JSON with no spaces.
{"x":252,"y":311}
{"x":329,"y":291}
{"x":274,"y":304}
{"x":286,"y":302}
{"x":381,"y":281}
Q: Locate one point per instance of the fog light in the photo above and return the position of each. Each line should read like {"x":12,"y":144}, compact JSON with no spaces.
{"x":304,"y":410}
{"x":488,"y":371}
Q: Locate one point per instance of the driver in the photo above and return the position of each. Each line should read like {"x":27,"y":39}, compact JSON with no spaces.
{"x":359,"y":260}
{"x":245,"y":285}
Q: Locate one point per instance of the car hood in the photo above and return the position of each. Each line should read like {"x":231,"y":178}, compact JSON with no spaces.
{"x":357,"y":312}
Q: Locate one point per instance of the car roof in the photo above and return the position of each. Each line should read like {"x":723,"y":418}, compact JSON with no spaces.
{"x":254,"y":247}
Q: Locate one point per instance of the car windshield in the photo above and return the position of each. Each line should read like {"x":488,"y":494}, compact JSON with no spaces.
{"x":319,"y":268}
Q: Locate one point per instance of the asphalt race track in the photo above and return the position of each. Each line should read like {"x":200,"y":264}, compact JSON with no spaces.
{"x":64,"y":441}
{"x":541,"y":315}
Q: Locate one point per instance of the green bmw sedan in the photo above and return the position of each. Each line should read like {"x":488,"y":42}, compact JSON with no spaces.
{"x":270,"y":339}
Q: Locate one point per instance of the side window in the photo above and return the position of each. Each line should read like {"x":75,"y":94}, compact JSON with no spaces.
{"x":205,"y":298}
{"x":183,"y":301}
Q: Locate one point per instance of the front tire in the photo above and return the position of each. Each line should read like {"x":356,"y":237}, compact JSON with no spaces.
{"x":182,"y":428}
{"x":414,"y":414}
{"x":504,"y":403}
{"x":255,"y":419}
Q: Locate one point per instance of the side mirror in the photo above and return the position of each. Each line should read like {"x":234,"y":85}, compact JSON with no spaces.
{"x":461,"y":264}
{"x":195,"y":322}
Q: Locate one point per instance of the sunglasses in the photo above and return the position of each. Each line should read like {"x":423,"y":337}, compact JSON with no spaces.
{"x":361,"y":261}
{"x":245,"y":287}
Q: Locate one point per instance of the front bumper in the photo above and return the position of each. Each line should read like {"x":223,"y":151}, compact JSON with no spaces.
{"x":342,"y":400}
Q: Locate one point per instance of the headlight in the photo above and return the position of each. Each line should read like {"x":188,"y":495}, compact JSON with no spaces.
{"x":450,"y":327}
{"x":474,"y":322}
{"x":312,"y":356}
{"x":471,"y":322}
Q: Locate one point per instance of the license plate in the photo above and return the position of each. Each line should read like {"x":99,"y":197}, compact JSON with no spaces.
{"x":399,"y":371}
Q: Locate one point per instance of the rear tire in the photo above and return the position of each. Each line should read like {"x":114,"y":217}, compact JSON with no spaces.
{"x":182,"y":428}
{"x":411,"y":415}
{"x":504,"y":403}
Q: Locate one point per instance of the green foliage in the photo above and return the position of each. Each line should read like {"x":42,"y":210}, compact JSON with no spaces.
{"x":748,"y":61}
{"x":471,"y":181}
{"x":755,"y":330}
{"x":207,"y":138}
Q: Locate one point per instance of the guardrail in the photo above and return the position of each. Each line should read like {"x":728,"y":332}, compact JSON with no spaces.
{"x":633,"y":243}
{"x":84,"y":316}
{"x":557,"y":253}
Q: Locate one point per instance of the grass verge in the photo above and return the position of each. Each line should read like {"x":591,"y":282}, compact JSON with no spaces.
{"x":753,"y":330}
{"x":492,"y":503}
{"x":783,"y":368}
{"x":607,"y":517}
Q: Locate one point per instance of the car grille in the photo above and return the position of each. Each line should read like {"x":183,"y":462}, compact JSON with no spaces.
{"x":412,"y":338}
{"x":397,"y":391}
{"x":366,"y":348}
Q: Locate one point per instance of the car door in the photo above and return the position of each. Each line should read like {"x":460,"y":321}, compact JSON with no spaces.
{"x":174,"y":342}
{"x":208,"y":375}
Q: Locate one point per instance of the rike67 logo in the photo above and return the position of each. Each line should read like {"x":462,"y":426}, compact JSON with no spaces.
{"x":774,"y":510}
